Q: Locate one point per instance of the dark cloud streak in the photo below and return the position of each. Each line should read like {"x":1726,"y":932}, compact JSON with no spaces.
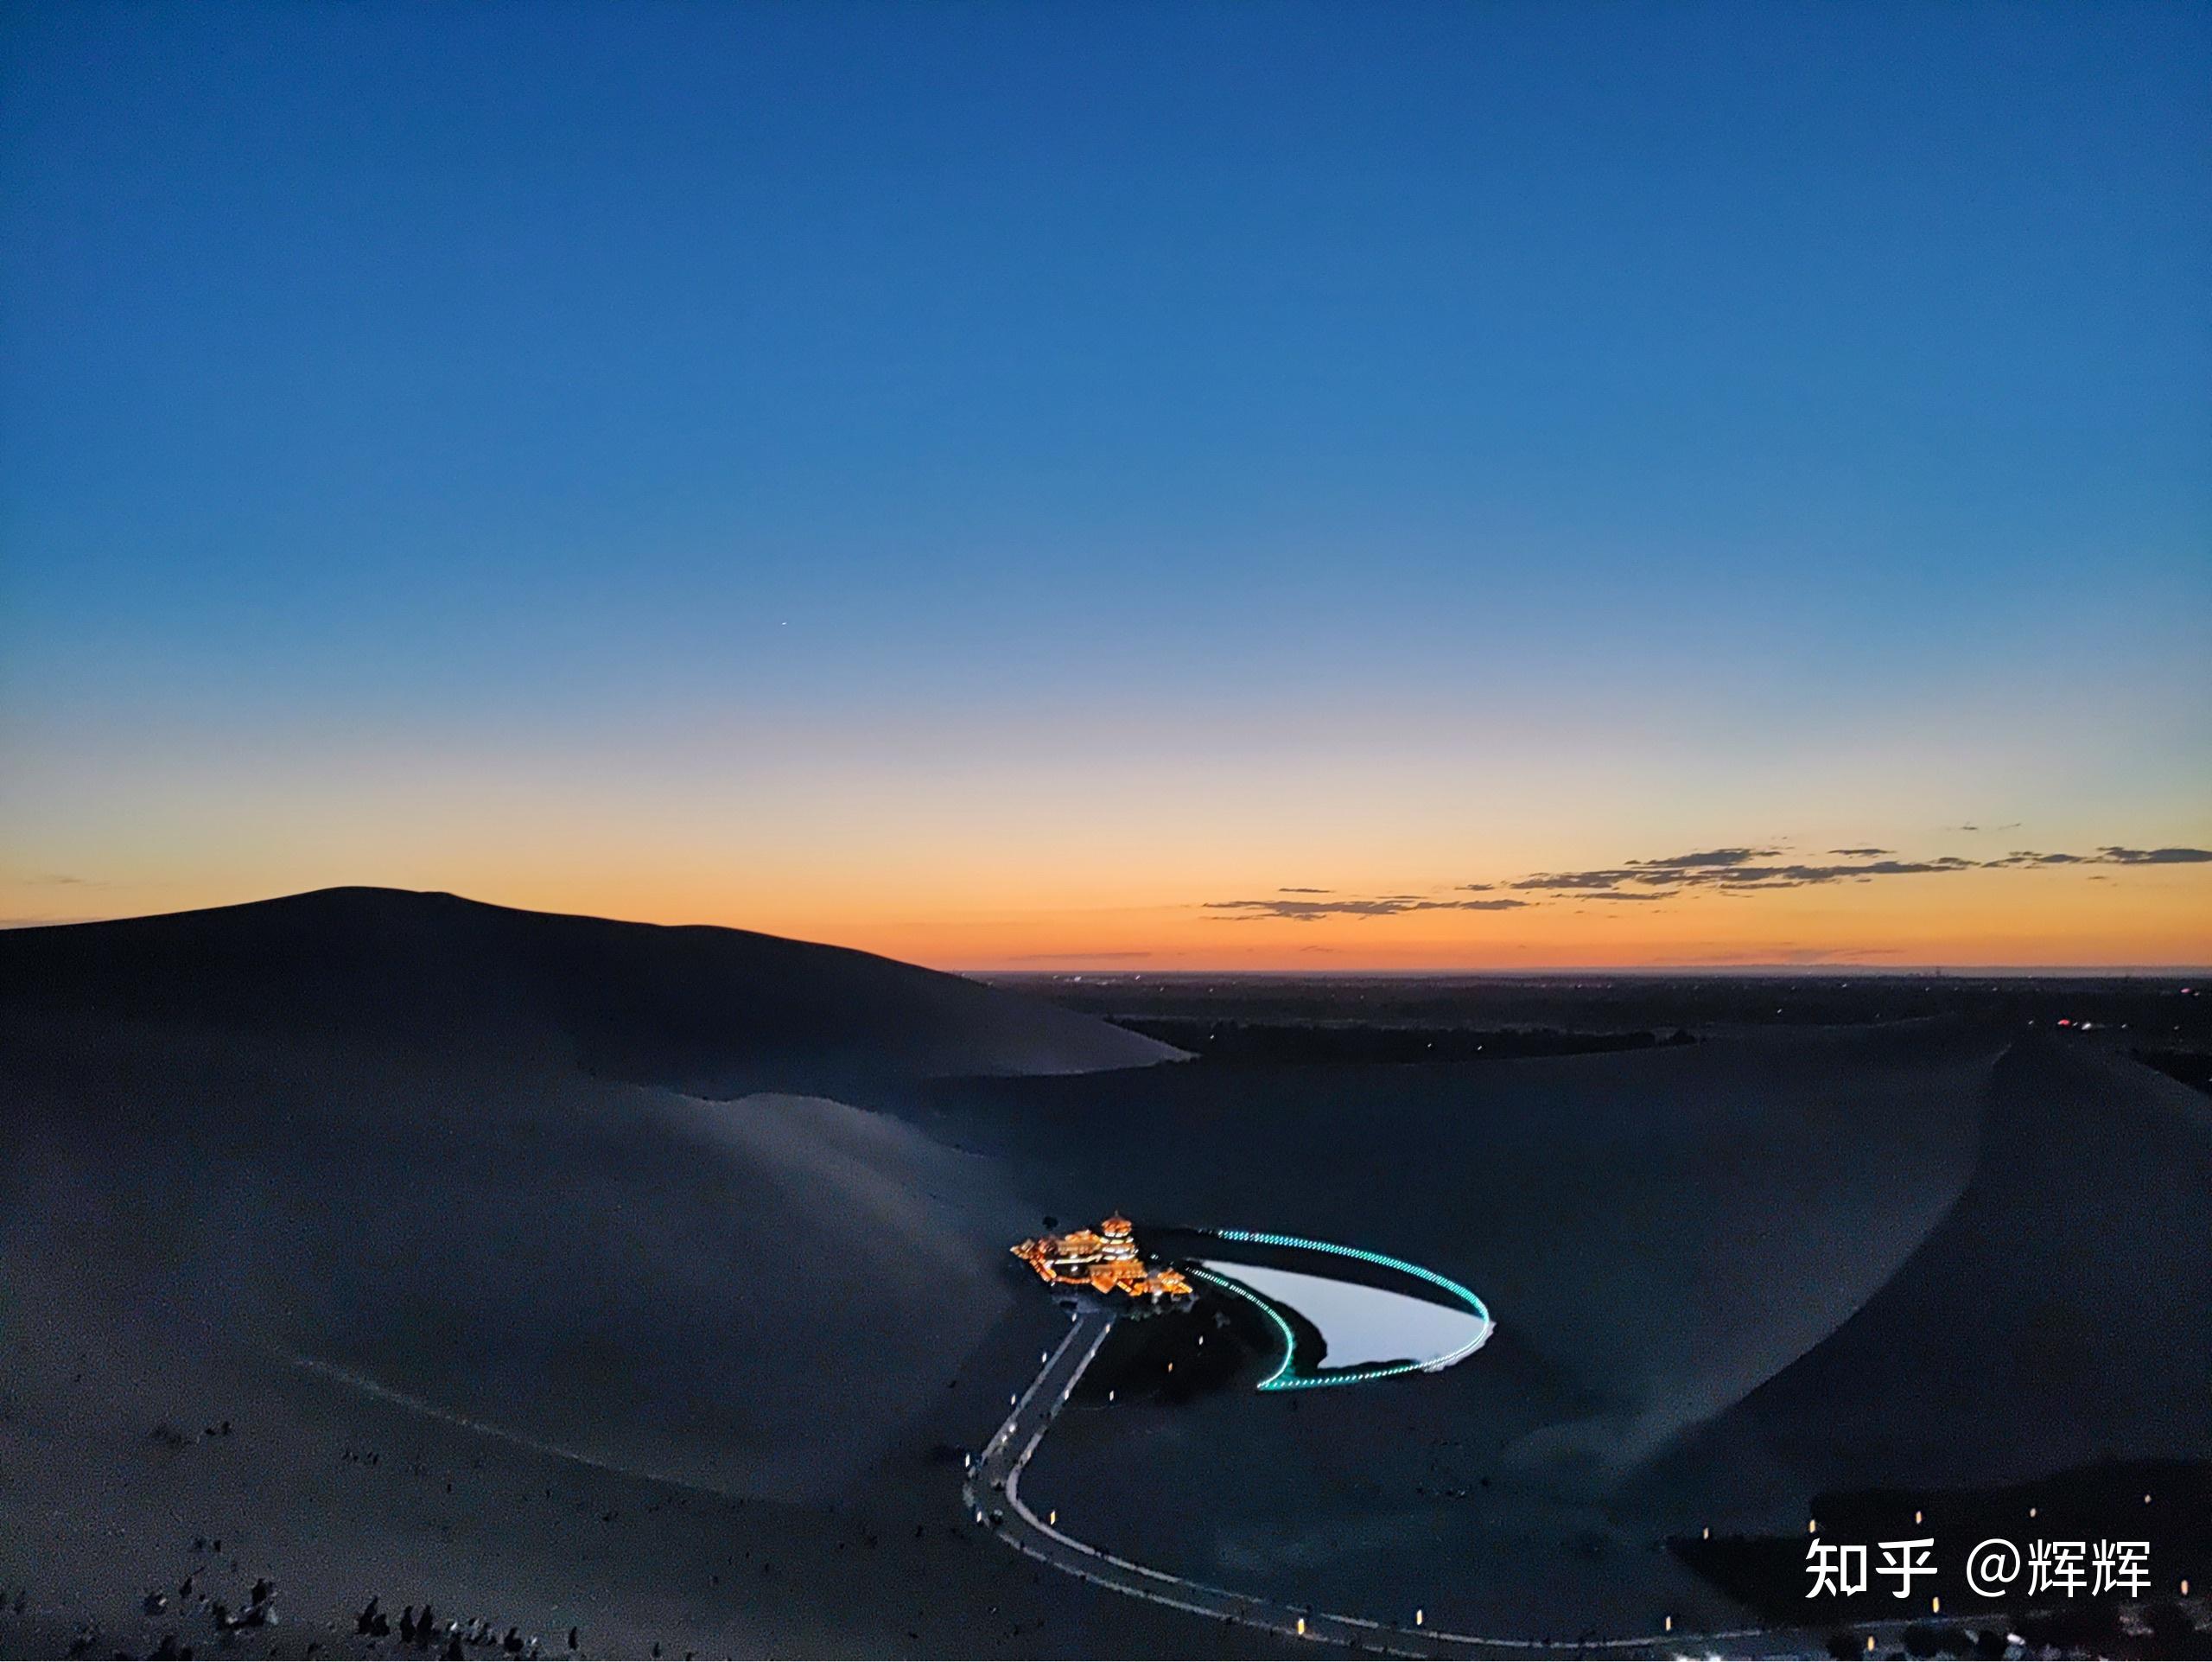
{"x":2116,"y":857}
{"x":1737,"y":871}
{"x":1387,"y":906}
{"x":1706,"y":858}
{"x":1705,"y":871}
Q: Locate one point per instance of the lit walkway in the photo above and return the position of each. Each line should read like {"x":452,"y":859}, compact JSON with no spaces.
{"x":992,"y":1493}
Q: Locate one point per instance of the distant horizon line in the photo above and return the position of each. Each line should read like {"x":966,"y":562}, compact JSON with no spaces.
{"x":1947,"y":971}
{"x":1125,"y":966}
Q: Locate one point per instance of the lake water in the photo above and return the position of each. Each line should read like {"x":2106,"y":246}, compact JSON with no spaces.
{"x":1361,"y":1324}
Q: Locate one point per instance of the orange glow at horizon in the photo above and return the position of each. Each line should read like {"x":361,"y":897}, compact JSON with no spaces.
{"x":2124,"y":918}
{"x":1095,"y":861}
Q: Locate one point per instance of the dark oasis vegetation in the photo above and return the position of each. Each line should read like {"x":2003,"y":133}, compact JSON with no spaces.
{"x":1162,"y":829}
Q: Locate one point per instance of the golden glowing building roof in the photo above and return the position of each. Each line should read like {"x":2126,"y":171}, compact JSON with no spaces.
{"x":1106,"y":1261}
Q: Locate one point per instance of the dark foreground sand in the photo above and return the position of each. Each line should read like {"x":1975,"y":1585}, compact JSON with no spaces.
{"x":560,"y":1280}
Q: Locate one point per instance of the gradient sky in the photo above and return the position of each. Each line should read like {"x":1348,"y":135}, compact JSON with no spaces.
{"x":993,"y":483}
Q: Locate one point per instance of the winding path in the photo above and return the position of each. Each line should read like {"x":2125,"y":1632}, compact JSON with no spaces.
{"x":992,"y":1491}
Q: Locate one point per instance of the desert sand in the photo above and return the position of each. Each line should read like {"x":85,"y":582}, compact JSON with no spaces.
{"x":647,"y":1281}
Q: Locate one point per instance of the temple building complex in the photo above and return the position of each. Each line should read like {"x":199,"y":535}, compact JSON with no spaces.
{"x":1106,"y":1260}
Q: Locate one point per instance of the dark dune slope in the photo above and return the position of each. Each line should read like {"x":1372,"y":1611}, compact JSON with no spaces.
{"x":459,"y":1154}
{"x":479,"y":1328}
{"x":716,"y":1012}
{"x":2060,"y":1313}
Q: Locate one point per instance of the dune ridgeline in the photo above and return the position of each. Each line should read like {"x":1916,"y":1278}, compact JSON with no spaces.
{"x":494,"y":1237}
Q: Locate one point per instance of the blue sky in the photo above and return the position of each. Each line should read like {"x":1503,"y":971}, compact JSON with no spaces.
{"x":653,"y":391}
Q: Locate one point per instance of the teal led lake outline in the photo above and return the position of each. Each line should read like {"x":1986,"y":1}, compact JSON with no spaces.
{"x":1284,"y":1380}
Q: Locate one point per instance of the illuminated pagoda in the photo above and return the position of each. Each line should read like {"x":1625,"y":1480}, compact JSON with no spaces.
{"x":1106,"y":1260}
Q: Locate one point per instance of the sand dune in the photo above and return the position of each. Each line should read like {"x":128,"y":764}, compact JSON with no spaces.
{"x":2060,"y":1313}
{"x":650,"y":1257}
{"x":717,"y":1012}
{"x":362,"y":1159}
{"x":749,"y":1296}
{"x":315,"y":1147}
